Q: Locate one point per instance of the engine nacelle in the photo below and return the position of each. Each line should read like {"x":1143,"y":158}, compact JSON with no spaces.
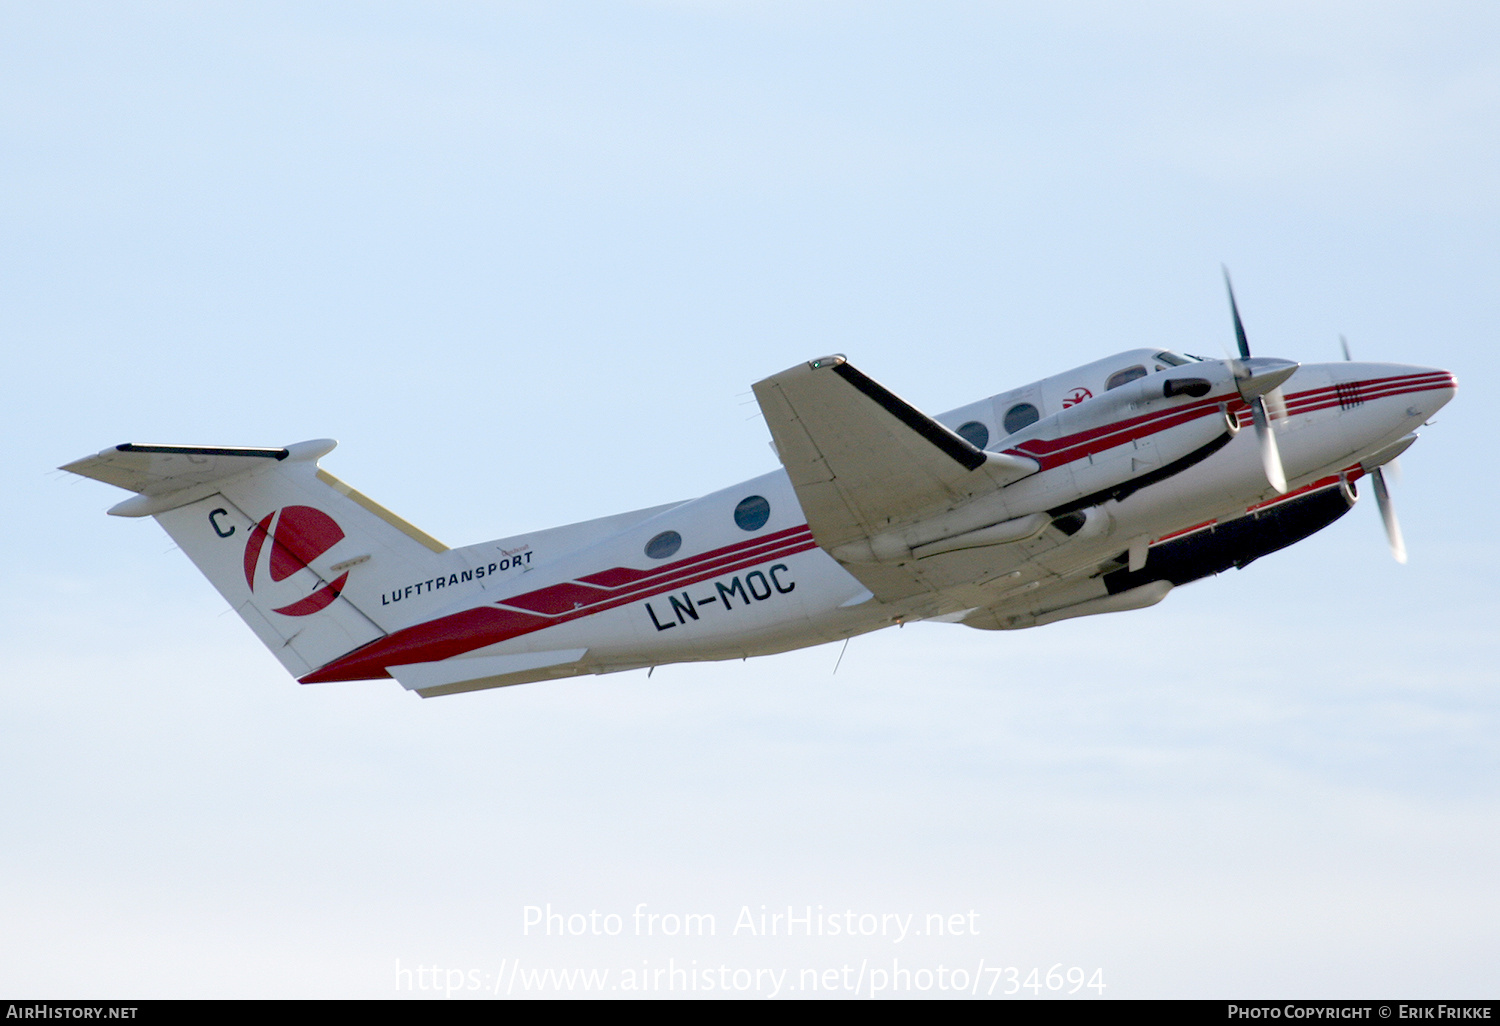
{"x":1238,"y":542}
{"x":1128,"y":438}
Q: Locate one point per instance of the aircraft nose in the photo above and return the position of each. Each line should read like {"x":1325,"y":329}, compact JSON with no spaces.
{"x":1424,"y":390}
{"x":1404,"y":396}
{"x":1443,"y":385}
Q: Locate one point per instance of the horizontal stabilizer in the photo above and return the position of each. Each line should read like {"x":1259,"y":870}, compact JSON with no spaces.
{"x":166,"y":476}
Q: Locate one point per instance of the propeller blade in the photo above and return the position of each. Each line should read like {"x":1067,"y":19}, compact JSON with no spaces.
{"x":1270,"y":455}
{"x":1239,"y":325}
{"x":1388,"y":514}
{"x":1276,"y":405}
{"x":1383,"y":494}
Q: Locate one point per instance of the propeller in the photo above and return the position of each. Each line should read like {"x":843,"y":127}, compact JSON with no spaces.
{"x":1257,"y":380}
{"x":1383,"y":494}
{"x":1388,"y":516}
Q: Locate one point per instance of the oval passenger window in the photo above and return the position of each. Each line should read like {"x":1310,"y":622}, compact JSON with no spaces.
{"x":663,"y":545}
{"x":975,"y":433}
{"x":1019,"y":416}
{"x":752,"y":513}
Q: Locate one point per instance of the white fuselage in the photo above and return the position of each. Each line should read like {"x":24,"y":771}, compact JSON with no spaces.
{"x":630,"y":597}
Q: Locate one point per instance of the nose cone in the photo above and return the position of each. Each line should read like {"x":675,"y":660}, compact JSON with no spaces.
{"x":1424,"y":389}
{"x":1440,"y":389}
{"x":1389,"y":400}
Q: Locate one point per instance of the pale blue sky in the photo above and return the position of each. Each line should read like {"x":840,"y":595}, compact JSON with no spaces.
{"x":524,"y":261}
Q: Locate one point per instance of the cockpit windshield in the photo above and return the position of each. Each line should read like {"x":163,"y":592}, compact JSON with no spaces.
{"x":1177,"y":359}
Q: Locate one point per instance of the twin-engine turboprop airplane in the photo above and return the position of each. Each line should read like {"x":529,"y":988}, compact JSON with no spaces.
{"x":1092,"y":491}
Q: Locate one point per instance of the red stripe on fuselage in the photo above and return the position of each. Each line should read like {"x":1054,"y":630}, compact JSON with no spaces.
{"x":619,"y":576}
{"x":687,"y":571}
{"x":1060,"y":451}
{"x":428,"y":642}
{"x":458,"y":633}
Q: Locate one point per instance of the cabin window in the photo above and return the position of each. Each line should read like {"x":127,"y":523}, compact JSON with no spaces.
{"x":1124,"y":377}
{"x":752,"y":513}
{"x":663,"y":545}
{"x":975,"y":433}
{"x":1019,"y":416}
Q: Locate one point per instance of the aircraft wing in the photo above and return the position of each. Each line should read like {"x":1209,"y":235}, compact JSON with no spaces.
{"x":865,"y":462}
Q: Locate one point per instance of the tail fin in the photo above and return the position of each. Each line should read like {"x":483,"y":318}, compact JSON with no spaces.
{"x":288,"y":545}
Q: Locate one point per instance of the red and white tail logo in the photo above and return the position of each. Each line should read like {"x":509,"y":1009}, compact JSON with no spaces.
{"x":301,"y":534}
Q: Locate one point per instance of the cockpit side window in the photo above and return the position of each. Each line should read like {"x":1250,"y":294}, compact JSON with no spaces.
{"x":1124,"y":377}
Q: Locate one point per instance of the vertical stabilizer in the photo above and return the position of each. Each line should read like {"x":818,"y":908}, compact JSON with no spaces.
{"x":298,"y":554}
